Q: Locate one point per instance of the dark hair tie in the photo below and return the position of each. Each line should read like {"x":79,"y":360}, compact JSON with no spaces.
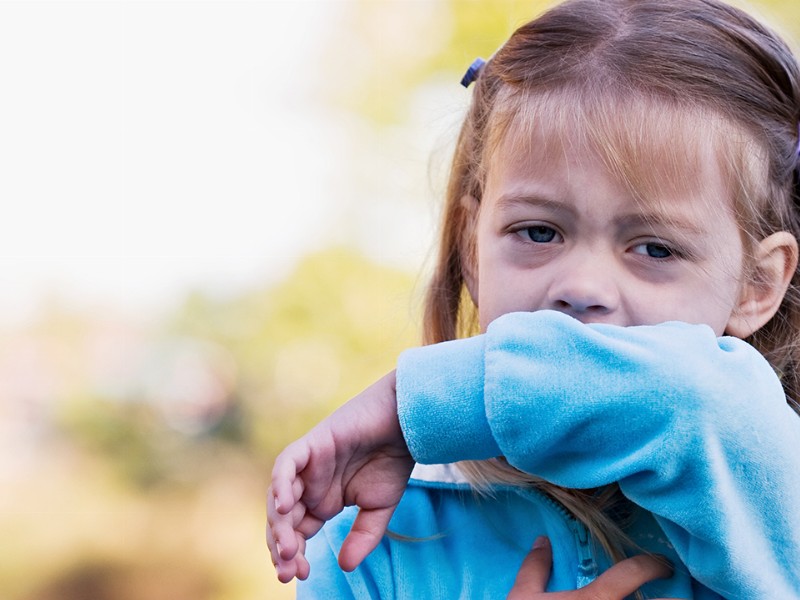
{"x":473,"y":72}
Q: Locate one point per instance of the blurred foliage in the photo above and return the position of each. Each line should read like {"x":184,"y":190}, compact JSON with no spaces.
{"x":291,"y":354}
{"x":127,"y":434}
{"x":307,"y":345}
{"x":386,"y":50}
{"x":162,"y":475}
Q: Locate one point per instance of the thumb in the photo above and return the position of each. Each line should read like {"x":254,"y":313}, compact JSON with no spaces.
{"x":365,"y":534}
{"x":534,"y":572}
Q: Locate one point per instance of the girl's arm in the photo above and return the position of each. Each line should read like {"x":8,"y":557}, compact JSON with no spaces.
{"x":358,"y":456}
{"x":694,"y":428}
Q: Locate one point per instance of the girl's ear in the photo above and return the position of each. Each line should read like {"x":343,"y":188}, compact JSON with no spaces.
{"x":762,"y":294}
{"x":469,"y":249}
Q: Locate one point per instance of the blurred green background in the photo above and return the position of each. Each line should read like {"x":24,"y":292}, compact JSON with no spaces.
{"x":138,"y":434}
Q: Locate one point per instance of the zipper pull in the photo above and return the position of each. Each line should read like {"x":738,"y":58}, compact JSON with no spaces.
{"x":587,"y":567}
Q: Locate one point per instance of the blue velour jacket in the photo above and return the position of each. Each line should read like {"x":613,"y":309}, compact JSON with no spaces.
{"x":694,"y":428}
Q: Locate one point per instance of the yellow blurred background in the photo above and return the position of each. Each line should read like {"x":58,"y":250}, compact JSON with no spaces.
{"x":218,"y":216}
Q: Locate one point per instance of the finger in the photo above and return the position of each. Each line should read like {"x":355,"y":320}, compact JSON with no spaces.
{"x":288,"y":464}
{"x":285,"y":570}
{"x":307,"y":528}
{"x":309,"y":525}
{"x":284,"y":529}
{"x":365,"y":534}
{"x":303,"y":568}
{"x":273,"y":550}
{"x":274,"y":520}
{"x":629,"y":575}
{"x":297,"y":489}
{"x":297,"y":566}
{"x":534,"y":572}
{"x":322,"y":476}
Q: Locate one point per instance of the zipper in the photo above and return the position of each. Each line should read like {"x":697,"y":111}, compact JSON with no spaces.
{"x":587,"y":564}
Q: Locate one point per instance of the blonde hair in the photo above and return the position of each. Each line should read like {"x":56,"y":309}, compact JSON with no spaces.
{"x":641,"y":78}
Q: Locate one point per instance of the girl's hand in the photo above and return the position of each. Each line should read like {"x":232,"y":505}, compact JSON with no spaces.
{"x":356,"y":456}
{"x":621,"y":580}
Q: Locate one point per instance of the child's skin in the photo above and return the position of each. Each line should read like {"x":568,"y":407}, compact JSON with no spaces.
{"x":559,"y":234}
{"x":620,"y":581}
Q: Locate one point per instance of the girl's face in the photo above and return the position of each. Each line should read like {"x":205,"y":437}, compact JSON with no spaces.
{"x":562,"y":233}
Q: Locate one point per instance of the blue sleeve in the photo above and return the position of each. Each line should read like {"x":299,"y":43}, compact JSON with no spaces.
{"x":695,"y":429}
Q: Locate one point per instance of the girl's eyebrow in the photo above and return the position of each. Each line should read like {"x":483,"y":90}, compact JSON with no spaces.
{"x":660,"y":219}
{"x":514,"y":199}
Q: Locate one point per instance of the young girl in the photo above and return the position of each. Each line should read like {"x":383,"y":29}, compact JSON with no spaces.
{"x":620,"y":231}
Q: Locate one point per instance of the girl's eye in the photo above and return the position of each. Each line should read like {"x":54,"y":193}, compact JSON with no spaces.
{"x":654,"y":250}
{"x":541,"y":234}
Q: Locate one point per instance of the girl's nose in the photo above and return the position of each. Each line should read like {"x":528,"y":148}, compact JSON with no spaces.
{"x":585,"y":285}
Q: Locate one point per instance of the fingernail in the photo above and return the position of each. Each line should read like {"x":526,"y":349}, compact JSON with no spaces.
{"x":277,"y":504}
{"x":541,"y":542}
{"x":279,"y":548}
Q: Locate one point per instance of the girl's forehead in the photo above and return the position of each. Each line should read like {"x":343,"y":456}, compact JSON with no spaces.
{"x":653,"y":148}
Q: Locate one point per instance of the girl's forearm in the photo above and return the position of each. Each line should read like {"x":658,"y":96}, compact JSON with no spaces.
{"x":695,"y":429}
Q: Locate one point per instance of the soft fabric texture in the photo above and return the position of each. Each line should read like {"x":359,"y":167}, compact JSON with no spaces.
{"x":695,"y":429}
{"x":470,"y":547}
